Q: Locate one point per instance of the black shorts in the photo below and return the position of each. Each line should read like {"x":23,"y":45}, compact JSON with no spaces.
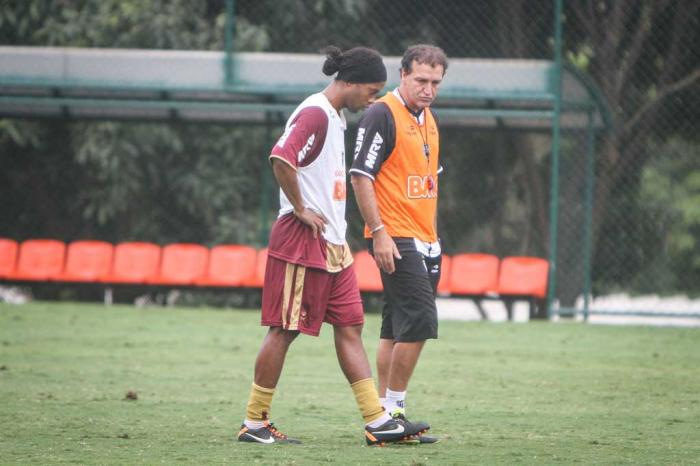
{"x":409,"y":312}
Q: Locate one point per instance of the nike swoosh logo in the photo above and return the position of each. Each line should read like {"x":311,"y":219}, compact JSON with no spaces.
{"x":259,"y":439}
{"x":396,"y":430}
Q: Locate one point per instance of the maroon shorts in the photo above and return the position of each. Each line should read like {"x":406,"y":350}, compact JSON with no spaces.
{"x":301,"y":298}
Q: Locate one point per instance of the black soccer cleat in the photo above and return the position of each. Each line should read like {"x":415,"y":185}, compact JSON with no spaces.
{"x":392,"y":431}
{"x":420,"y":439}
{"x":267,"y":434}
{"x":420,"y":426}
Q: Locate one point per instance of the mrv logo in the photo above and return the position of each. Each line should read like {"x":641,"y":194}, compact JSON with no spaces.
{"x":304,"y":150}
{"x":372,"y":152}
{"x":358,"y":142}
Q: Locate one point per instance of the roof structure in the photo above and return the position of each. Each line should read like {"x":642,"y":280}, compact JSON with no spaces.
{"x":211,"y":86}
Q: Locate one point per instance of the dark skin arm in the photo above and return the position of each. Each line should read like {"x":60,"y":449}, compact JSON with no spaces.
{"x":286,"y":177}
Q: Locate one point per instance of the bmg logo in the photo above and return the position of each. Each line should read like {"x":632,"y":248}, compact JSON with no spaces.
{"x":421,"y":187}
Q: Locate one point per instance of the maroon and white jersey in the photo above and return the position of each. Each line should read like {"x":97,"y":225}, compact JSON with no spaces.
{"x":313,"y":144}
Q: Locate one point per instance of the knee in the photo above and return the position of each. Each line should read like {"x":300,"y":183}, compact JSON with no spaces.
{"x":353,"y":332}
{"x":282,"y":336}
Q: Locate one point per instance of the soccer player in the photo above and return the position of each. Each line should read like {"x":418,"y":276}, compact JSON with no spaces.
{"x":395,"y":178}
{"x":309,"y":277}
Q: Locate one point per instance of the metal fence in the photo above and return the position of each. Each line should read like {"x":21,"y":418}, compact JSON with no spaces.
{"x":626,"y":231}
{"x":496,"y":188}
{"x":479,"y":28}
{"x":613,"y":201}
{"x":644,"y":235}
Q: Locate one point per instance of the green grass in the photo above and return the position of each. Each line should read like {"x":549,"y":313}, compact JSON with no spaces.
{"x":501,"y":393}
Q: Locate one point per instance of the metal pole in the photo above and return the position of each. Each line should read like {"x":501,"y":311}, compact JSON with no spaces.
{"x":266,"y":187}
{"x":554,"y":182}
{"x":588,"y":222}
{"x":228,"y":44}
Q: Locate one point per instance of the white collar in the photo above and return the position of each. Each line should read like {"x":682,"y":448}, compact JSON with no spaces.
{"x":421,"y":116}
{"x":334,"y":112}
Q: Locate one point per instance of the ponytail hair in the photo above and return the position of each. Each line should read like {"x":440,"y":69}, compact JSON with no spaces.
{"x":334,"y":58}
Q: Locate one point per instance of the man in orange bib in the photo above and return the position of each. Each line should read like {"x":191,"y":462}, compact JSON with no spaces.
{"x":395,"y":178}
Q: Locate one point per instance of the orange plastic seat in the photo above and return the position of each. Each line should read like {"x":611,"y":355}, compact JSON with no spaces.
{"x":523,"y":276}
{"x":134,"y":262}
{"x":229,"y":265}
{"x":368,"y":277}
{"x":86,"y":261}
{"x":181,"y":264}
{"x":8,"y":256}
{"x":256,"y":281}
{"x":444,"y":284}
{"x":473,"y":274}
{"x":39,"y":260}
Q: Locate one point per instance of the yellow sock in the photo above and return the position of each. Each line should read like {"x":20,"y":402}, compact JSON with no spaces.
{"x":367,"y":399}
{"x":259,"y":403}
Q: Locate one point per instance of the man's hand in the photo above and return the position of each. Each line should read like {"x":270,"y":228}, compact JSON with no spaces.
{"x":385,"y":251}
{"x":317,"y":222}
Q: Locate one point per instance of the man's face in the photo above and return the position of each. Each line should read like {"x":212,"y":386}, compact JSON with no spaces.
{"x":361,"y":95}
{"x":419,"y":87}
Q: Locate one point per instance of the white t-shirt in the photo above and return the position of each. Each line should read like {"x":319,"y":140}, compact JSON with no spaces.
{"x":314,"y":145}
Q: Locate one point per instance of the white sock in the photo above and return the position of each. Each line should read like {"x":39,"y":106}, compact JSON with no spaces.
{"x":253,"y":425}
{"x":395,"y":402}
{"x":378,"y":422}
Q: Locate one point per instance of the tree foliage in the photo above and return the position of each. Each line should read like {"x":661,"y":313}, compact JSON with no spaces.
{"x":639,"y":54}
{"x":155,"y":24}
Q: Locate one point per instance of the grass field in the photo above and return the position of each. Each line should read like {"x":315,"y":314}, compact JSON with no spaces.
{"x":501,"y":393}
